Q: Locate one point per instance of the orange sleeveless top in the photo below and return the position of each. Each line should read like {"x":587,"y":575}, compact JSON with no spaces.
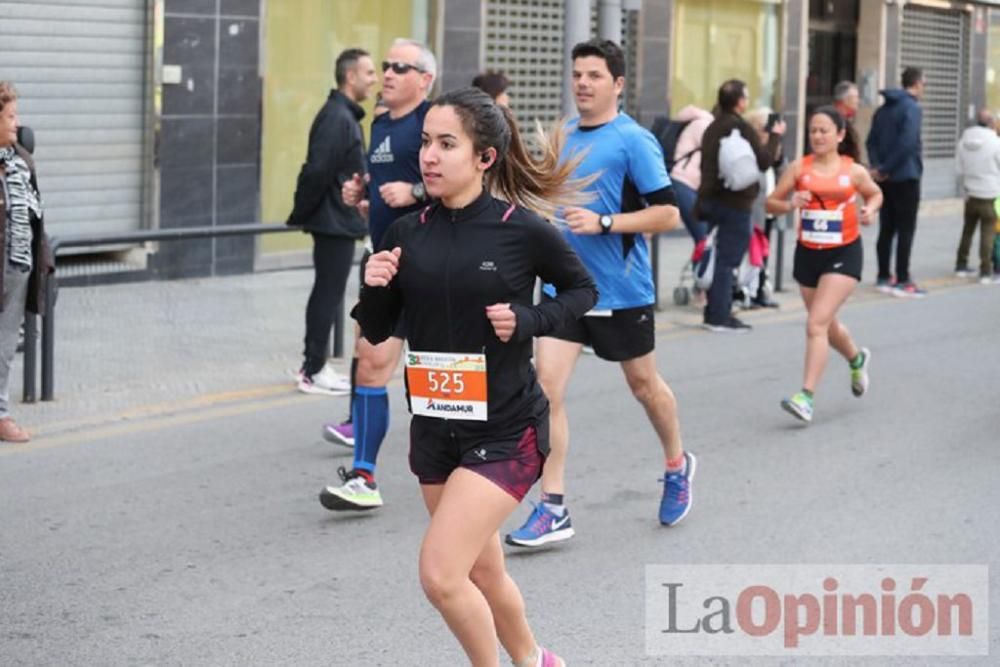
{"x":830,"y":219}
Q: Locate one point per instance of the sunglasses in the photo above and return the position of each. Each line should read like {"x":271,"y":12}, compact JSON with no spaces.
{"x":400,"y":68}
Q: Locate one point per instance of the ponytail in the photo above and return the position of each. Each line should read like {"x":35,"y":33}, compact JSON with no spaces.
{"x":542,"y":184}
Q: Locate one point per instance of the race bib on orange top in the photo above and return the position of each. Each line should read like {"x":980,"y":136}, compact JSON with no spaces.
{"x":447,"y":385}
{"x":822,"y":227}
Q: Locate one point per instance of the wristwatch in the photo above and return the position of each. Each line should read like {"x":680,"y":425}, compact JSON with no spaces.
{"x":606,"y":222}
{"x":418,"y":191}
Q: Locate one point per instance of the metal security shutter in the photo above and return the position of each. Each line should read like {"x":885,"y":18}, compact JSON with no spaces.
{"x":937,"y":41}
{"x":524,"y":38}
{"x":79,"y":68}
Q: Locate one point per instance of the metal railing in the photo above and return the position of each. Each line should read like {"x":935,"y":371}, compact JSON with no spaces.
{"x":51,"y":292}
{"x":191,"y":233}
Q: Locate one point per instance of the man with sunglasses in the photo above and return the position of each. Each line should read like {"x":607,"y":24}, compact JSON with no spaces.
{"x":394,"y":188}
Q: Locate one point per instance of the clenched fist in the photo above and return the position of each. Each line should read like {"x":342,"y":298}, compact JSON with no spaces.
{"x":382,"y":267}
{"x":503,"y":319}
{"x":353,"y":191}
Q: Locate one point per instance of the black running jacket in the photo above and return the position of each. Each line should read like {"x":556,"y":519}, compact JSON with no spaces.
{"x":453,"y":264}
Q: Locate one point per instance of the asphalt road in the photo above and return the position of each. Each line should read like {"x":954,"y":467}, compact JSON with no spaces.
{"x":194,"y":537}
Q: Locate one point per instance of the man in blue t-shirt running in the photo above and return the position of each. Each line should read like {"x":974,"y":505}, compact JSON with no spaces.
{"x":631,"y":196}
{"x":394,"y":188}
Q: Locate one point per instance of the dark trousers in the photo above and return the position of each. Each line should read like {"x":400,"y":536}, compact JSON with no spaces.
{"x":898,"y":217}
{"x":978,"y":213}
{"x":332,"y":258}
{"x":686,"y":198}
{"x":731,"y":243}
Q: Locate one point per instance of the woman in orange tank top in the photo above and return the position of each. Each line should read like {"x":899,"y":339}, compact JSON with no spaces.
{"x":823,"y":188}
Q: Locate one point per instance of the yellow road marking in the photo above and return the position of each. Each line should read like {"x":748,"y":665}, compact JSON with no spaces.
{"x":150,"y":424}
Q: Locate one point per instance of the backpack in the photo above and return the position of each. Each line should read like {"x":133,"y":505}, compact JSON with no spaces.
{"x":668,"y":132}
{"x":738,"y":168}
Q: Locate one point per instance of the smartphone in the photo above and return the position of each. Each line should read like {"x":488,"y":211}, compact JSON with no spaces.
{"x":772,"y":118}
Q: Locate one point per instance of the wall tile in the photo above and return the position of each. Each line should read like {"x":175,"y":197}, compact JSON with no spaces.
{"x":238,"y":191}
{"x":239,"y":41}
{"x":185,"y":194}
{"x":189,"y":41}
{"x":186,"y":142}
{"x":194,"y":95}
{"x":238,"y":140}
{"x":239,"y":90}
{"x":241,"y":7}
{"x":189,"y":7}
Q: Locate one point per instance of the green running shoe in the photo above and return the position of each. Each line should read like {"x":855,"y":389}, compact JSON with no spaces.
{"x":799,"y":405}
{"x":859,"y":375}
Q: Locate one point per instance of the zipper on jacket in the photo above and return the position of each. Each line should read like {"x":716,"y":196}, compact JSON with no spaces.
{"x":447,"y":279}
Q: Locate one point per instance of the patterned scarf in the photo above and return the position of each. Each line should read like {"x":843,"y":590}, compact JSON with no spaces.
{"x":23,"y":202}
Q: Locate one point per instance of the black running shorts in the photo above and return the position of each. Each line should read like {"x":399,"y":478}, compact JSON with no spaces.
{"x":626,"y":334}
{"x":514,"y":463}
{"x":811,"y":264}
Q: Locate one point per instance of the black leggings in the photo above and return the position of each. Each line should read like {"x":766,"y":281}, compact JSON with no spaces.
{"x":332,"y":257}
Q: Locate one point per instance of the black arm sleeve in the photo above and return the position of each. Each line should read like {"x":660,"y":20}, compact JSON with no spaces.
{"x":557,"y":264}
{"x":379,"y":309}
{"x":662,"y":197}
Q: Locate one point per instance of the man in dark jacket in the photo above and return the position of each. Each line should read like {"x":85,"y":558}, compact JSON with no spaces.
{"x":894,"y":152}
{"x":729,"y":210}
{"x":336,"y":151}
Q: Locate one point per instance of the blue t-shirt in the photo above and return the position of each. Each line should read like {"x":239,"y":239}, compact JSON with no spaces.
{"x":630,"y":162}
{"x":394,"y":155}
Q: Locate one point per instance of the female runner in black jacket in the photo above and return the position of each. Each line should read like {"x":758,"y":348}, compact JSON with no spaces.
{"x":462,"y":274}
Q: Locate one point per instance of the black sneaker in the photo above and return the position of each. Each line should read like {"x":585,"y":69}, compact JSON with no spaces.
{"x":757,"y":304}
{"x":732,"y":325}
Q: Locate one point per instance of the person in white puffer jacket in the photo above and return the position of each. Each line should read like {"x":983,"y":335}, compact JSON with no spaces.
{"x":978,"y":168}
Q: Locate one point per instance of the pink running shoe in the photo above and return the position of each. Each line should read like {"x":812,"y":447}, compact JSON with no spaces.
{"x":550,"y":659}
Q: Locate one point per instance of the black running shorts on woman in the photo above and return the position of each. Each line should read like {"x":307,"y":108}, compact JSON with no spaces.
{"x":511,"y":462}
{"x":812,"y":263}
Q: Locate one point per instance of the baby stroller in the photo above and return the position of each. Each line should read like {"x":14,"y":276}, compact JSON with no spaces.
{"x":696,"y":274}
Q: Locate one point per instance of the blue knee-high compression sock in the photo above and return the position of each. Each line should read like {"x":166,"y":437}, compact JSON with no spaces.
{"x":370,"y":415}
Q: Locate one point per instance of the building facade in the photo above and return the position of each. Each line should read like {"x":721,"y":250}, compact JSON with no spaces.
{"x":183,"y":113}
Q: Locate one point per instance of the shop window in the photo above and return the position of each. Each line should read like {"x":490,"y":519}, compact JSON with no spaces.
{"x":716,"y":40}
{"x":302,"y":41}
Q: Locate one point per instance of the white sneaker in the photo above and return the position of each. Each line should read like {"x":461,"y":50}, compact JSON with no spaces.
{"x":989,"y":280}
{"x":354,"y":494}
{"x":327,"y":382}
{"x":965,"y":273}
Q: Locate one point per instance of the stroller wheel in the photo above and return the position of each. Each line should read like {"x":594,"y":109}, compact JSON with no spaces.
{"x":682,"y":296}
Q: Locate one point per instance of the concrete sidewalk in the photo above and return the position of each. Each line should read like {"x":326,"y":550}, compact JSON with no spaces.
{"x":138,"y":350}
